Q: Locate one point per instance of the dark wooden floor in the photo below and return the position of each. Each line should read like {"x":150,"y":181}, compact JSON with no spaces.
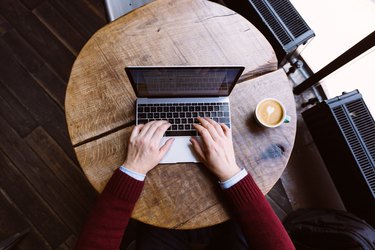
{"x":41,"y":185}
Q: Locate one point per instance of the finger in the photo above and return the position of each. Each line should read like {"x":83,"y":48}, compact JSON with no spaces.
{"x":146,"y":127}
{"x":159,"y":132}
{"x":216,"y":125}
{"x":167,"y":145}
{"x":136,"y":130}
{"x":197,"y":148}
{"x":226,"y":130}
{"x":206,"y":136}
{"x":211,"y":129}
{"x":152,"y":128}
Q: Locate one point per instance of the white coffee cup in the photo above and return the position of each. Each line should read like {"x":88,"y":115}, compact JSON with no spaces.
{"x":271,"y":113}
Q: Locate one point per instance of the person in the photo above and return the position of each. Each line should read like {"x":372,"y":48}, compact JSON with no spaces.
{"x":109,"y":217}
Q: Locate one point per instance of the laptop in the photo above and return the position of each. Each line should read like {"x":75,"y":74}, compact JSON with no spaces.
{"x":179,"y":94}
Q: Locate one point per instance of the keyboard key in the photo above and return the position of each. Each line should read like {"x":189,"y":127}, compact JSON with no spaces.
{"x":224,"y":120}
{"x":180,"y":127}
{"x":174,"y":127}
{"x":142,"y":121}
{"x":142,"y":115}
{"x":224,"y":108}
{"x":181,"y":133}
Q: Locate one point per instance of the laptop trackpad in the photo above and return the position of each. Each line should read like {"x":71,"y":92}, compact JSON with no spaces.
{"x":181,"y":151}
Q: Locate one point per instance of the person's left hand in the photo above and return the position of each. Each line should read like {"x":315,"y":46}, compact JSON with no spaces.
{"x":144,"y":151}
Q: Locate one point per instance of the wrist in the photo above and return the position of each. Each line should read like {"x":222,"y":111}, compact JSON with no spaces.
{"x":134,"y":167}
{"x":228,"y":173}
{"x":133,"y":174}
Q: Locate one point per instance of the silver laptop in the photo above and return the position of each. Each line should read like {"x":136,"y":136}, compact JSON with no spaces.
{"x":179,"y":94}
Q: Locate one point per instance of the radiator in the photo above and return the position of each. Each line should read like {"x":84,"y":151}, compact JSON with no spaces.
{"x":343,"y":130}
{"x":279,"y":22}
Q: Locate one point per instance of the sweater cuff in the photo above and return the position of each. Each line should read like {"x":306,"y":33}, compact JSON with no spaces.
{"x":124,"y":187}
{"x":244,"y":192}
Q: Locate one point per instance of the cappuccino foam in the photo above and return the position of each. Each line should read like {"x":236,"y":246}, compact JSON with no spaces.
{"x":270,"y":112}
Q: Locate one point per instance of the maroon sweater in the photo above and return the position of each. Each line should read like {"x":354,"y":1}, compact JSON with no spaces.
{"x":109,"y":217}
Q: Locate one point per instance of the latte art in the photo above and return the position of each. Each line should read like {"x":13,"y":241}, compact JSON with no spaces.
{"x":270,"y":113}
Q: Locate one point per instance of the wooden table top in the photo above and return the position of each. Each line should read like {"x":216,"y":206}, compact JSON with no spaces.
{"x":100,"y":104}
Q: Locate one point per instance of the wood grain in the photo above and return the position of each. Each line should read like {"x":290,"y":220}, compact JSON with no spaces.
{"x":14,"y":221}
{"x":186,"y":196}
{"x":164,"y":32}
{"x":40,"y":187}
{"x":56,"y":23}
{"x":31,"y":204}
{"x":100,"y":104}
{"x":26,"y":56}
{"x":65,"y":170}
{"x":44,"y":182}
{"x":50,"y":49}
{"x":20,"y":120}
{"x":83,"y":15}
{"x":270,"y":149}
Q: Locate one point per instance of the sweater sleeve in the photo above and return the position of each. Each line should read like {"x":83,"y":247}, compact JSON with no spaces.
{"x":261,"y":227}
{"x":109,"y":217}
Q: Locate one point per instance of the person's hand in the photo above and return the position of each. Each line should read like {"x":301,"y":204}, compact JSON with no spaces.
{"x":217,"y":150}
{"x":144,"y":151}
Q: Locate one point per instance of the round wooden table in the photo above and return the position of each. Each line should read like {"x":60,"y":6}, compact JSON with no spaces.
{"x":100,"y":104}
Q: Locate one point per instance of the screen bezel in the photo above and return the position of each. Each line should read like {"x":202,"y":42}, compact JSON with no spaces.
{"x":129,"y":74}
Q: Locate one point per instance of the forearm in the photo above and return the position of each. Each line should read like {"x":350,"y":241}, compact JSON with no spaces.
{"x":260,"y":225}
{"x":109,"y":217}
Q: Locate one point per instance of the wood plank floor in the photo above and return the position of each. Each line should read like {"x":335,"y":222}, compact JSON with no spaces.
{"x":42,"y":187}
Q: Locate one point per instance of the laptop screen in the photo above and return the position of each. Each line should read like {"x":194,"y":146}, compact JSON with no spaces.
{"x":183,"y":81}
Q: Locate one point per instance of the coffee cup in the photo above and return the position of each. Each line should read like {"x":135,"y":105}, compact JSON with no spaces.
{"x":271,"y":113}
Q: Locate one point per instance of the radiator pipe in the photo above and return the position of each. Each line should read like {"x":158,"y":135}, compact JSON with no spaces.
{"x":362,"y":46}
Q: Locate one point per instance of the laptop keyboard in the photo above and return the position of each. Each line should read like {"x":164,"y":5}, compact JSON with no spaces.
{"x":183,"y":115}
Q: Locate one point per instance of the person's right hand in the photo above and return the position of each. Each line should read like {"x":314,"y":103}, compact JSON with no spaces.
{"x":217,"y":150}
